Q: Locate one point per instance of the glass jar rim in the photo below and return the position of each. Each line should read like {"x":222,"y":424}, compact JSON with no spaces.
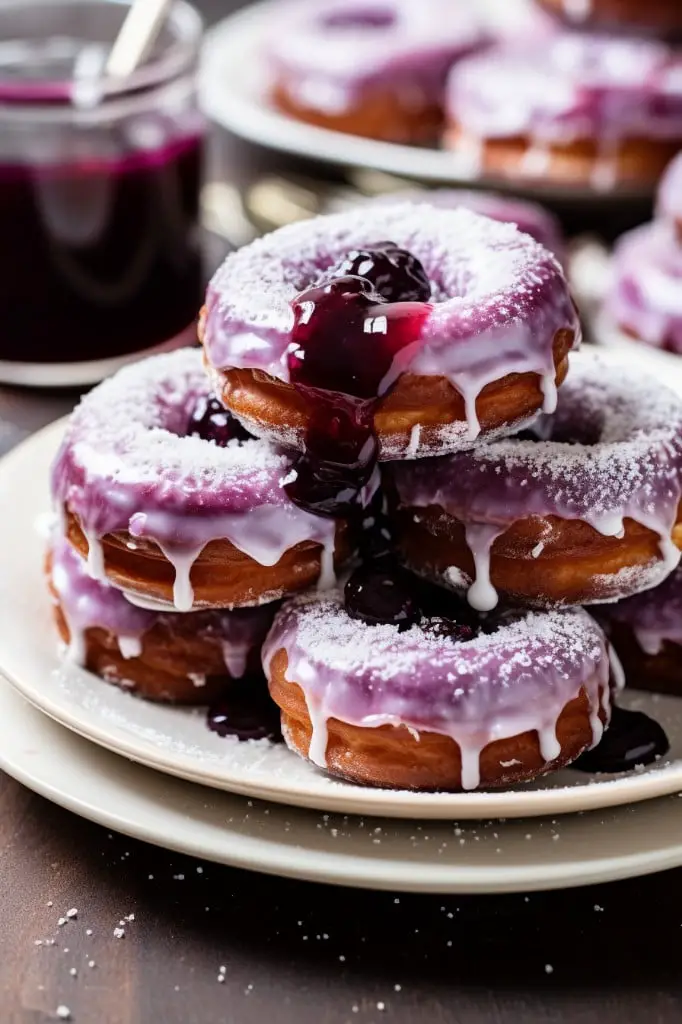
{"x":185,"y":25}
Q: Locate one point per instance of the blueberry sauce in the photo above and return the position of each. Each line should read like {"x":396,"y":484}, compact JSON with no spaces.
{"x":382,"y":595}
{"x":212,"y":422}
{"x":349,"y":332}
{"x":247,"y":712}
{"x":631,"y":739}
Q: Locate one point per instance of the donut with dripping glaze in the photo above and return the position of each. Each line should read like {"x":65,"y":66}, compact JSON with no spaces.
{"x":657,"y":17}
{"x":574,"y":110}
{"x":646,"y":632}
{"x":591,"y":513}
{"x":492,"y":346}
{"x":412,"y":710}
{"x":161,"y":656}
{"x":176,"y":520}
{"x":374,"y":70}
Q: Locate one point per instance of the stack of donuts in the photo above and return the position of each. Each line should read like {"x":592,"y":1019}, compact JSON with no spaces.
{"x":584,"y":93}
{"x":645,"y":295}
{"x":390,"y":459}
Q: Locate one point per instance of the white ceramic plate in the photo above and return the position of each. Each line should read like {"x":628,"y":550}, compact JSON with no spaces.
{"x":234,"y":87}
{"x":483,"y":857}
{"x":177,"y":741}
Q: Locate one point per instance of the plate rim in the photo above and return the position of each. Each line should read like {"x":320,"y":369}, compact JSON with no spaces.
{"x":257,"y":122}
{"x":342,"y":799}
{"x":314,"y":865}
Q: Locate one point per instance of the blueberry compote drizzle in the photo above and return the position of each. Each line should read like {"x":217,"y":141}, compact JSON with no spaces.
{"x":631,"y":739}
{"x":354,"y":332}
{"x":247,"y":712}
{"x":212,"y":422}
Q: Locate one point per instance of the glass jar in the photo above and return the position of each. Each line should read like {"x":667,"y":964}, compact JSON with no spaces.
{"x":99,"y":191}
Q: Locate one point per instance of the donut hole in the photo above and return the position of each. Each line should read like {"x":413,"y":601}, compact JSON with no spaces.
{"x":363,"y":18}
{"x":564,"y":430}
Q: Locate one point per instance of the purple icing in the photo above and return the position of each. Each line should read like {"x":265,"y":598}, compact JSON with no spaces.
{"x":498,"y":299}
{"x":569,"y":87}
{"x":669,"y":205}
{"x":125,"y":464}
{"x":654,"y":616}
{"x":531,"y":218}
{"x":629,"y":465}
{"x":330,"y":52}
{"x":645,"y":296}
{"x":87,"y":604}
{"x":498,"y":685}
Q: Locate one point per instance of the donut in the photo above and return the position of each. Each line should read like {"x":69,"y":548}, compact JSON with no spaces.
{"x":574,"y":109}
{"x":531,"y":218}
{"x":162,"y":656}
{"x":590,"y":513}
{"x":646,"y":632}
{"x":471,"y":323}
{"x":438,"y":705}
{"x":372,"y":69}
{"x":201,"y":521}
{"x":654,"y":16}
{"x":644,"y":297}
{"x":669,"y":204}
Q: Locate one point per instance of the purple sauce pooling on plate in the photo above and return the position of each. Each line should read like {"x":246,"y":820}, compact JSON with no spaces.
{"x":349,"y":330}
{"x":498,"y":300}
{"x":126,"y":463}
{"x":247,"y":712}
{"x":631,"y":739}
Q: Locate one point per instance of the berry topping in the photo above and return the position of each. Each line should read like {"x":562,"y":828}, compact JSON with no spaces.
{"x":446,"y":629}
{"x":348,"y":346}
{"x":380,"y":596}
{"x":212,"y":422}
{"x":395,"y":273}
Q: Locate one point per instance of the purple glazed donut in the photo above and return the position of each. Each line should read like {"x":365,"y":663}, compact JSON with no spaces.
{"x":531,"y":218}
{"x":180,"y":519}
{"x":487,"y":345}
{"x":645,"y":293}
{"x":585,"y":510}
{"x":420,"y":709}
{"x":160,"y":655}
{"x":370,"y":68}
{"x":573,"y":109}
{"x":669,"y":205}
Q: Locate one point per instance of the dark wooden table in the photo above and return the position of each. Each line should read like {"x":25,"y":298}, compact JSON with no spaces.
{"x":295,"y":953}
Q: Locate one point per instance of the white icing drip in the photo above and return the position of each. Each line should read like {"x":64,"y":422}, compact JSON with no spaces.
{"x":549,"y":391}
{"x":538,"y":549}
{"x":235,"y":657}
{"x":617,"y":670}
{"x":596,"y":723}
{"x":327,"y":573}
{"x":95,"y":554}
{"x":413,"y":445}
{"x":130,"y":646}
{"x":317,"y":751}
{"x":198,"y":679}
{"x":482,"y":595}
{"x":182,"y":562}
{"x":76,"y":647}
{"x":550,"y":748}
{"x":470,"y":754}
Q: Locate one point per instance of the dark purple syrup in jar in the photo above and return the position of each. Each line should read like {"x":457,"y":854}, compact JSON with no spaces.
{"x":349,"y":344}
{"x":99,"y":185}
{"x":99,"y":258}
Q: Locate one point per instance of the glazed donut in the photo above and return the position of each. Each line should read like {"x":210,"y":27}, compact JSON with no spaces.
{"x":177,"y":519}
{"x":163,"y":656}
{"x":424,"y":709}
{"x":646,"y":632}
{"x":483,"y":354}
{"x":531,"y":218}
{"x":571,"y":110}
{"x":669,"y":204}
{"x":375,"y":70}
{"x":654,"y":16}
{"x":591,"y":513}
{"x":644,"y":297}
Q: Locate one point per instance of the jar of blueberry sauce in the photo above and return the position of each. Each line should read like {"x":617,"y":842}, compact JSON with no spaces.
{"x":99,"y":191}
